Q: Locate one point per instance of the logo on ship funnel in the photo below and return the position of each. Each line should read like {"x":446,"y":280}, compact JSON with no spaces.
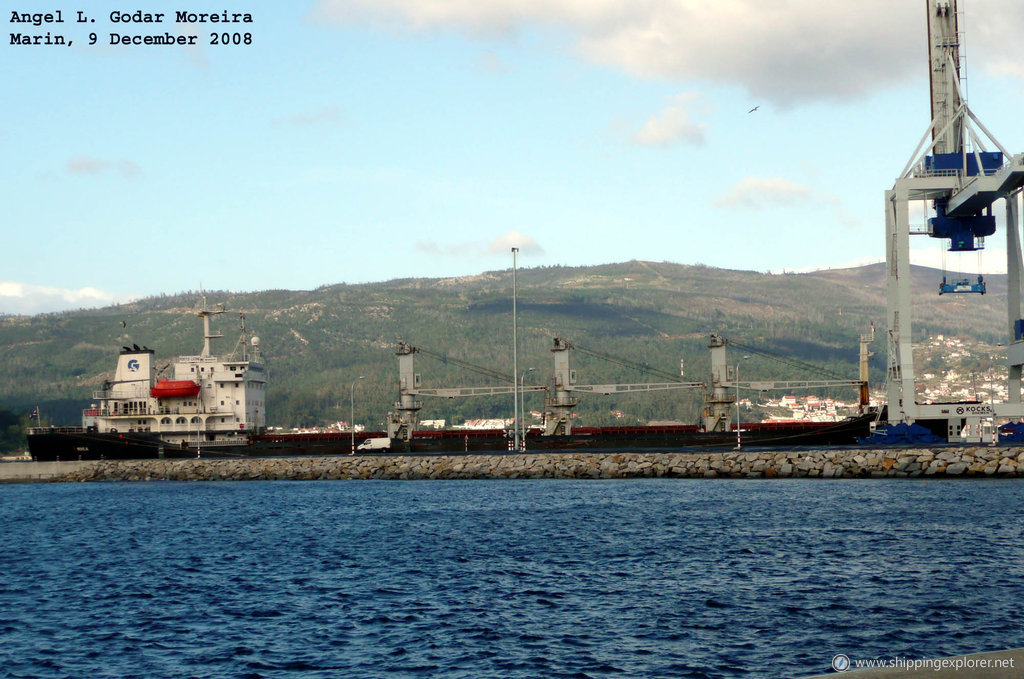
{"x":133,"y":366}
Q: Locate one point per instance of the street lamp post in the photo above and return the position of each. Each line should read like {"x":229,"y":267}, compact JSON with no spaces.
{"x":515,"y":357}
{"x":522,"y":407}
{"x":352,"y":412}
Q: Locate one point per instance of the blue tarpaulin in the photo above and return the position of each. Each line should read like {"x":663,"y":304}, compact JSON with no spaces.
{"x":900,"y":435}
{"x":1012,"y":432}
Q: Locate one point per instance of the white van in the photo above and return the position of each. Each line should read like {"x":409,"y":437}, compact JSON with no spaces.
{"x":378,"y":443}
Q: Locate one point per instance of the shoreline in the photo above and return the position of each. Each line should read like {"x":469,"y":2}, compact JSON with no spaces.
{"x":970,"y":462}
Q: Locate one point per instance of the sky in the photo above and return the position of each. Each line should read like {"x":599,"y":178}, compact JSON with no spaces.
{"x":364,"y":140}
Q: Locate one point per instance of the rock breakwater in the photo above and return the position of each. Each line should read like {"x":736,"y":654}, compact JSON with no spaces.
{"x":867,"y":463}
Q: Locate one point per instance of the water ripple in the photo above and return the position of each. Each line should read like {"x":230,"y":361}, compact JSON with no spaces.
{"x":474,"y":579}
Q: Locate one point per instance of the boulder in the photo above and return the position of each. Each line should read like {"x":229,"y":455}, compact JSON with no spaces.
{"x":956,"y":469}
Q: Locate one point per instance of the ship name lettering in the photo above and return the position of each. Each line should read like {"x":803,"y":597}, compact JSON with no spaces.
{"x":36,"y":18}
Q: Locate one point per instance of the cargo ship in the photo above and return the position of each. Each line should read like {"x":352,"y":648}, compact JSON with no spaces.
{"x":206,"y":403}
{"x":215,"y":407}
{"x":753,"y":435}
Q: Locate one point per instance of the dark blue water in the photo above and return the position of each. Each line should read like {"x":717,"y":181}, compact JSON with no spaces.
{"x":652,"y":578}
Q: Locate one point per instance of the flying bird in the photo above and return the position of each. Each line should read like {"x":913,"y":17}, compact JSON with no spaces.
{"x":754,"y":109}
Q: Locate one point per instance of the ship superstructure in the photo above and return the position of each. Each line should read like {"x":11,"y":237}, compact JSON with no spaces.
{"x":204,"y":400}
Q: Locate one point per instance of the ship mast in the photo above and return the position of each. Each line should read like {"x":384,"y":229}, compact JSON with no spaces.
{"x":207,"y":334}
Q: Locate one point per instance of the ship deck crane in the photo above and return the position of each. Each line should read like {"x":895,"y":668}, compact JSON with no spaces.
{"x":558,"y":407}
{"x":962,"y":180}
{"x":402,"y":420}
{"x":724,"y":383}
{"x":559,"y":404}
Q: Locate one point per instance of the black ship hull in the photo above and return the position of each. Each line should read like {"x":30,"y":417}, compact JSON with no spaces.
{"x":754,"y":435}
{"x":73,"y":443}
{"x":63,"y":445}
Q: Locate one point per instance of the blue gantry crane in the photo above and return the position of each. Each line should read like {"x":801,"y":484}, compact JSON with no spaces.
{"x":955,"y":171}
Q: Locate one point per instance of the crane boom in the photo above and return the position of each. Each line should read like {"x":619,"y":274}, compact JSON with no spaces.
{"x":480,"y":370}
{"x":608,"y":389}
{"x":458,"y":392}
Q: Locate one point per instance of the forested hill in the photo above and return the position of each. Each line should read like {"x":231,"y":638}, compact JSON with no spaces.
{"x":316,"y":343}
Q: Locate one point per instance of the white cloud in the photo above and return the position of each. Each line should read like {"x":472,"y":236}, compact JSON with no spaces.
{"x":514,"y":239}
{"x":671,"y":126}
{"x":499,"y":245}
{"x":451,"y":250}
{"x":756,"y":193}
{"x":89,"y":165}
{"x":784,"y":52}
{"x":1012,"y":67}
{"x":993,"y":36}
{"x":22,"y":298}
{"x":762,"y":193}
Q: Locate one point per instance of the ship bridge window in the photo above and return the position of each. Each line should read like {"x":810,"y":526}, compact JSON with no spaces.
{"x":194,"y":420}
{"x":167,"y":420}
{"x":180,"y":420}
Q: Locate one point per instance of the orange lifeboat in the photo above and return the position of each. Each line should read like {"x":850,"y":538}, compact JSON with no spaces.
{"x":166,"y":388}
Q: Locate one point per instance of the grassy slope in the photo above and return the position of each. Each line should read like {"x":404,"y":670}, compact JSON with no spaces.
{"x":317,"y":342}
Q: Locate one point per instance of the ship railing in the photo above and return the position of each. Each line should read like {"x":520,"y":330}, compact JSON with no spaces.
{"x":127,"y":393}
{"x":56,"y":430}
{"x":187,"y":410}
{"x":136,"y":412}
{"x":925,"y":172}
{"x":159,"y":410}
{"x":203,"y":443}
